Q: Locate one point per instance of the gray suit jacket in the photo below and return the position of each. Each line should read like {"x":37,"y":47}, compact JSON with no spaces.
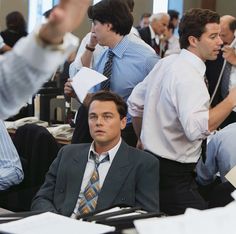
{"x":133,"y":180}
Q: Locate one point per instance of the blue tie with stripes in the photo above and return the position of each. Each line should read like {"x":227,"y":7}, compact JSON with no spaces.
{"x":105,"y":85}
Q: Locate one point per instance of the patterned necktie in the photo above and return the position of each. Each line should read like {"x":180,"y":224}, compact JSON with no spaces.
{"x":225,"y":80}
{"x":105,"y":85}
{"x":89,"y":197}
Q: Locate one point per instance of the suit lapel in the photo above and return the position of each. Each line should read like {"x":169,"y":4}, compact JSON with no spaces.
{"x":75,"y":177}
{"x":115,"y":177}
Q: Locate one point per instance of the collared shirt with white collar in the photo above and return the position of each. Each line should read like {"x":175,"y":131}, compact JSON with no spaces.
{"x":153,"y":35}
{"x":176,"y":101}
{"x":102,"y":169}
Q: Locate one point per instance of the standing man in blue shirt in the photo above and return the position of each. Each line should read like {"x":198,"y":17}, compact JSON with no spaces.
{"x":132,"y":62}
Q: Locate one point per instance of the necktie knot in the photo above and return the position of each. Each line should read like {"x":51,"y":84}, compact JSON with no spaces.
{"x":96,"y":159}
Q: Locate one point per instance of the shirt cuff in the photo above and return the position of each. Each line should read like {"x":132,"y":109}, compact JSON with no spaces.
{"x":45,"y":58}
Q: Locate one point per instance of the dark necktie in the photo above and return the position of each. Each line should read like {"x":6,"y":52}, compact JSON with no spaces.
{"x":89,"y":197}
{"x":225,"y":80}
{"x":155,"y":46}
{"x":204,"y":142}
{"x":105,"y":85}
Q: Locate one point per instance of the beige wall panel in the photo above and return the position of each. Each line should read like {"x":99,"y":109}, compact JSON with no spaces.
{"x":7,"y":6}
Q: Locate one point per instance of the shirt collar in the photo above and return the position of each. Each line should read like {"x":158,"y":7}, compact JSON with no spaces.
{"x":121,"y":47}
{"x":198,"y":64}
{"x":112,"y":152}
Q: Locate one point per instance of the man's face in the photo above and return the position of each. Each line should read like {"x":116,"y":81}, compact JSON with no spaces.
{"x":208,"y":46}
{"x":105,"y":124}
{"x":227,"y":36}
{"x":101,"y":31}
{"x":144,"y":22}
{"x":160,"y":26}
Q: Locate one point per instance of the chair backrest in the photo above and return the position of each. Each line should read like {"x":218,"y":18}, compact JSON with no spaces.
{"x":37,"y":149}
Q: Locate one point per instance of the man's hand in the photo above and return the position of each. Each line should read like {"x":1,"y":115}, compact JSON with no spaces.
{"x":66,"y":17}
{"x":229,"y":55}
{"x":68,"y":90}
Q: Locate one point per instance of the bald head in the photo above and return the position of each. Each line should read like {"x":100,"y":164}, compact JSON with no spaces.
{"x":228,"y":26}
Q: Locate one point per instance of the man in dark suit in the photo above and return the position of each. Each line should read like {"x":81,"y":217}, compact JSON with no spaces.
{"x":153,"y":34}
{"x":213,"y":68}
{"x":126,"y":175}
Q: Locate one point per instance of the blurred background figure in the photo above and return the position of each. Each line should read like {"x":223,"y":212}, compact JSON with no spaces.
{"x":172,"y":40}
{"x":174,"y":17}
{"x":16,"y":28}
{"x":153,"y":35}
{"x":144,"y":21}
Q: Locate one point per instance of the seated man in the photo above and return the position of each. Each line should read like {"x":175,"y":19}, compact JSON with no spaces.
{"x":11,"y":172}
{"x":117,"y":173}
{"x":220,"y":158}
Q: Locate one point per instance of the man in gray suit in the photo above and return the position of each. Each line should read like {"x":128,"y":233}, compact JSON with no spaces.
{"x":127,"y":175}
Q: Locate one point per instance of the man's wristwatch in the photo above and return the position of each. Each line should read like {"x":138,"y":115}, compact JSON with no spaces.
{"x":89,"y":48}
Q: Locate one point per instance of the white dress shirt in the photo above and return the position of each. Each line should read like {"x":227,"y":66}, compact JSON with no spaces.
{"x":174,"y":102}
{"x":24,"y":69}
{"x":1,"y":43}
{"x":102,"y":170}
{"x":232,"y":79}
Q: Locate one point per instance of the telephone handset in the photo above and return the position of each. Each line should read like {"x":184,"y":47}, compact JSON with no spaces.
{"x":58,"y":129}
{"x":63,"y":132}
{"x":233,"y":44}
{"x":27,"y":120}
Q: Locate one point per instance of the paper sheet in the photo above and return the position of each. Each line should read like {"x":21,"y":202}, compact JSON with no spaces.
{"x":84,"y":80}
{"x":212,"y":221}
{"x":48,"y":223}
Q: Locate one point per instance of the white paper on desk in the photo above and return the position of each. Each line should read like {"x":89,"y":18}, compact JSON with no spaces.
{"x":84,"y":80}
{"x":165,"y":225}
{"x":48,"y":223}
{"x":231,"y":176}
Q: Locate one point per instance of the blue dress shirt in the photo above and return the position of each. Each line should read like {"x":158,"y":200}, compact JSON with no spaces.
{"x":132,"y":62}
{"x":10,"y":166}
{"x":220,"y":158}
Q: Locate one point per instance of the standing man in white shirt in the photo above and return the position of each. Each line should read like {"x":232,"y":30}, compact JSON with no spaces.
{"x":170,"y":109}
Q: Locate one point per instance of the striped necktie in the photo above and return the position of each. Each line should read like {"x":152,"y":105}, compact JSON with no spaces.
{"x":89,"y":197}
{"x":225,"y":80}
{"x":105,"y":85}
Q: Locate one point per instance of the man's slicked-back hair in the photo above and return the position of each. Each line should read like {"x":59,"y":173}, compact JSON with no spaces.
{"x":104,"y":96}
{"x":193,"y":23}
{"x":115,"y":12}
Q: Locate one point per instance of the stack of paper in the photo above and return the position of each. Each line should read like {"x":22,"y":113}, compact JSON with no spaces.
{"x":49,"y":223}
{"x":211,"y":221}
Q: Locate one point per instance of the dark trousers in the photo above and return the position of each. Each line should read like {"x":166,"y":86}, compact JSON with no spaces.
{"x":178,"y":189}
{"x":82,"y":135}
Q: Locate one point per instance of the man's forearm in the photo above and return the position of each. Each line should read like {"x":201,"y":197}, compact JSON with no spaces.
{"x":137,"y":124}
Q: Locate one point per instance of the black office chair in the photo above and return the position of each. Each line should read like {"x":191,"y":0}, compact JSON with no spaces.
{"x":37,"y":149}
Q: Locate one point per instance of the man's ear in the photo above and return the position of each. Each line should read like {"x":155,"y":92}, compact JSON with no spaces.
{"x":109,"y":26}
{"x":123,"y":122}
{"x":193,"y":41}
